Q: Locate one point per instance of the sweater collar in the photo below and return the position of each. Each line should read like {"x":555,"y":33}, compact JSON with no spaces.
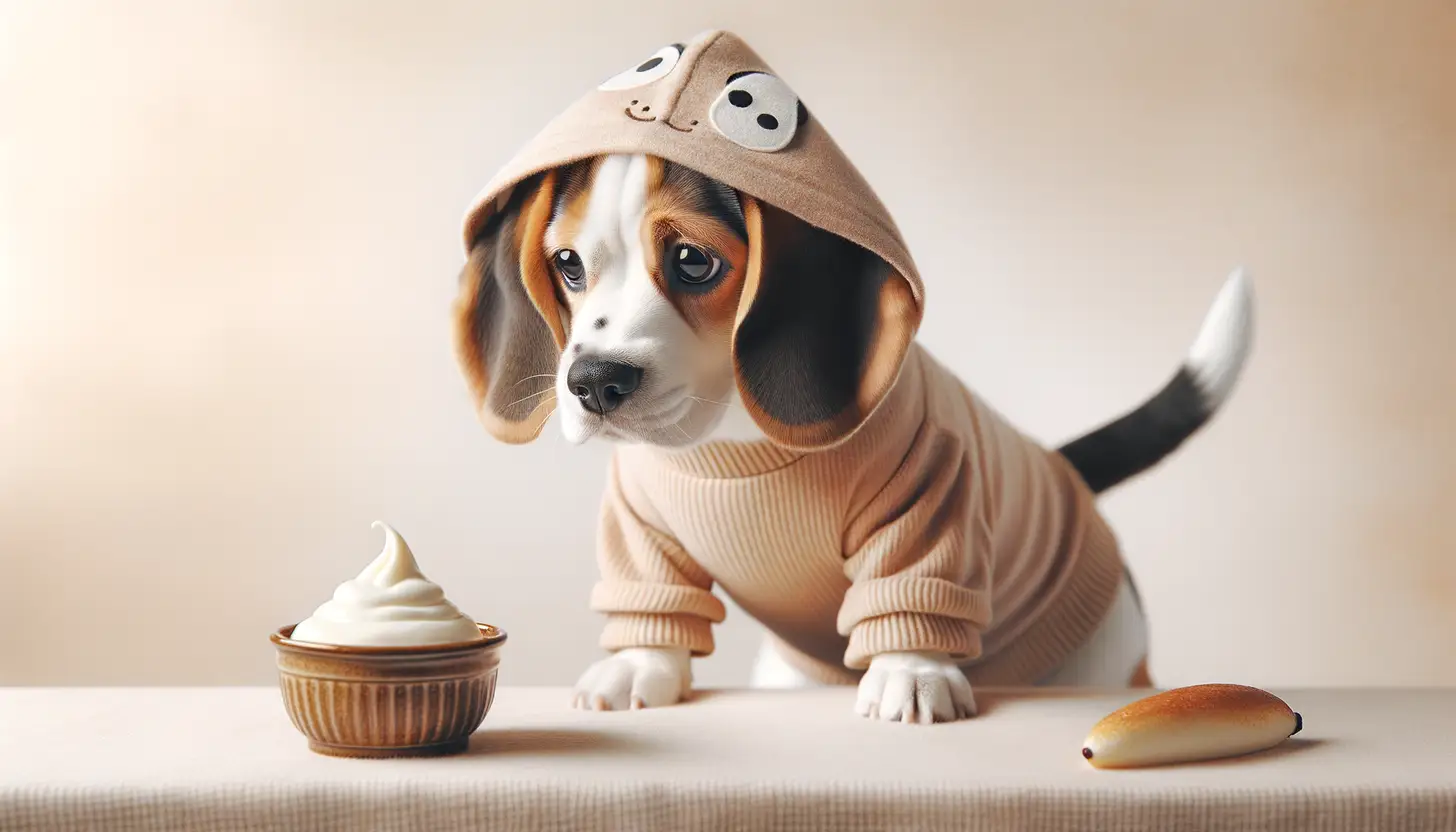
{"x":721,"y":459}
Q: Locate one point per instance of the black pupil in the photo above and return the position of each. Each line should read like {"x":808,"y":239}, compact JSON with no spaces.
{"x":569,"y":264}
{"x":693,"y":264}
{"x":767,"y":121}
{"x":649,"y":64}
{"x":740,"y":98}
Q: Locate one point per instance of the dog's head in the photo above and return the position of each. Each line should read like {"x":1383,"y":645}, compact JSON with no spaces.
{"x":732,"y":264}
{"x":646,"y":300}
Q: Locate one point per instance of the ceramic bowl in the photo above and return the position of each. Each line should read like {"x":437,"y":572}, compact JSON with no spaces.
{"x":388,"y":701}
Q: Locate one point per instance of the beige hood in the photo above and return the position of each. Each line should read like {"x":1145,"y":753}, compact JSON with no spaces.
{"x":715,"y":106}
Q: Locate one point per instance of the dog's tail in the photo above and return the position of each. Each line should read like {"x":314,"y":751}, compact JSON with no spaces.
{"x":1139,"y":440}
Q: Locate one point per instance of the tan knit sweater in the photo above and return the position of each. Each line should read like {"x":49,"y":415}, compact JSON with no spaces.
{"x":936,"y":527}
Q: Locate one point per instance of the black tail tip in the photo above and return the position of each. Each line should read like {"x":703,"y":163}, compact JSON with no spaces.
{"x":1298,"y":724}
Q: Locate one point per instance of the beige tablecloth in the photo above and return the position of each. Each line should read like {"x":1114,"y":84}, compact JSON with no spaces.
{"x":228,"y":759}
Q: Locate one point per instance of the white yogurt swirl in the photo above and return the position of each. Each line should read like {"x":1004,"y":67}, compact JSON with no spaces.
{"x":390,"y":604}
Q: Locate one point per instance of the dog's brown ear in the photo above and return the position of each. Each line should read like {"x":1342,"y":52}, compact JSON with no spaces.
{"x":823,"y":326}
{"x":509,"y":330}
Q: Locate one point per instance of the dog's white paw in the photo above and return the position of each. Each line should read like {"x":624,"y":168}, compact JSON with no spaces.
{"x":637,"y":677}
{"x":915,"y":687}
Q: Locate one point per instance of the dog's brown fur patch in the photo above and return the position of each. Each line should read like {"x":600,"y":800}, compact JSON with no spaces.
{"x":569,"y":205}
{"x":673,"y":218}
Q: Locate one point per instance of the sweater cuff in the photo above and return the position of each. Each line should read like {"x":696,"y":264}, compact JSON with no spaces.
{"x":657,"y":599}
{"x":935,"y":597}
{"x":903,"y":631}
{"x":625,"y":630}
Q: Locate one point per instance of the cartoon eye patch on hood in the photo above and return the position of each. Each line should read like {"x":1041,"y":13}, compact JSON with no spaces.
{"x":655,"y":68}
{"x":831,"y":267}
{"x":757,"y":111}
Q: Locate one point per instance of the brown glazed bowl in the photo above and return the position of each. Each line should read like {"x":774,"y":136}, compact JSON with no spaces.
{"x":388,"y":701}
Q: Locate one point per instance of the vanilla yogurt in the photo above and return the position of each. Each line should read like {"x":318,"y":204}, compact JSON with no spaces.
{"x":390,"y":604}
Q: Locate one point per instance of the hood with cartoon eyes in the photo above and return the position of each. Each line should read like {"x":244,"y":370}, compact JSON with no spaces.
{"x":714,"y":105}
{"x":831,"y":298}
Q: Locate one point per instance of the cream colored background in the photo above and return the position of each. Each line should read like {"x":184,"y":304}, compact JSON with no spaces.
{"x":229,"y":244}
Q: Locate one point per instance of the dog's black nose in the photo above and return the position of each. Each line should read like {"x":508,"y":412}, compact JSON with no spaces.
{"x":602,"y":385}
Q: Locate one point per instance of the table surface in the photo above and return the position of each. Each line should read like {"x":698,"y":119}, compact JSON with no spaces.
{"x":228,"y":758}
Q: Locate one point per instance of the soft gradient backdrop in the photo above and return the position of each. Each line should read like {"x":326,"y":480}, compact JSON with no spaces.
{"x":230,"y":243}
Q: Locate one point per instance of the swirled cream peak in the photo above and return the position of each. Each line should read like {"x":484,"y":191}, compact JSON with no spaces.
{"x":390,"y":604}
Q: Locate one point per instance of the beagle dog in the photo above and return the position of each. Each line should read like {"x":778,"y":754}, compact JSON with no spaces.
{"x":625,"y":291}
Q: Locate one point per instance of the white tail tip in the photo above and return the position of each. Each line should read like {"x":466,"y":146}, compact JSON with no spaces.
{"x":1224,"y":341}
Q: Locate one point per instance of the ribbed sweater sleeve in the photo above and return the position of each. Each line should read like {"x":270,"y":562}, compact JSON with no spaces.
{"x":919,"y":558}
{"x":652,"y":592}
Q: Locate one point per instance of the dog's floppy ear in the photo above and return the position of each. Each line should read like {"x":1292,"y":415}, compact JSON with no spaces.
{"x":822,"y":329}
{"x":508,"y":325}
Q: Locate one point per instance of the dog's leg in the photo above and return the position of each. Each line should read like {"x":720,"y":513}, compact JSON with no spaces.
{"x":1115,"y":654}
{"x":634,"y":678}
{"x":915,"y":687}
{"x":1140,"y":677}
{"x":770,"y":671}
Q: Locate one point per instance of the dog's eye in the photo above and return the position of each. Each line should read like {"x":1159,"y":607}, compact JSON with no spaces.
{"x":694,"y":266}
{"x":655,"y":67}
{"x":568,"y":264}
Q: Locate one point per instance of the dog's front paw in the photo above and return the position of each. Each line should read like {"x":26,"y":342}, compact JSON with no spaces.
{"x":915,"y":687}
{"x":637,"y":677}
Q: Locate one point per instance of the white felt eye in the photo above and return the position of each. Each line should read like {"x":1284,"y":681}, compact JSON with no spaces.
{"x":652,"y":69}
{"x":757,"y":111}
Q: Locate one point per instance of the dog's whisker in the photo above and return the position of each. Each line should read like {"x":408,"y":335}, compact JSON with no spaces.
{"x":684,"y":433}
{"x":708,"y":401}
{"x":532,"y":396}
{"x":547,"y":414}
{"x":531,"y":378}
